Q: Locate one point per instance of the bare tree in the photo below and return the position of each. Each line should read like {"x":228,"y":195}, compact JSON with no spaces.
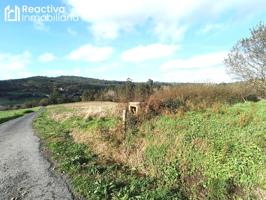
{"x":247,"y":59}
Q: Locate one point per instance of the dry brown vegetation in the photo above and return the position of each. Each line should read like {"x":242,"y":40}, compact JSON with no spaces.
{"x":198,"y":96}
{"x":107,"y":142}
{"x":86,"y":109}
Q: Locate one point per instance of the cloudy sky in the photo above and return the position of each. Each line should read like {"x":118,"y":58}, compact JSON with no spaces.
{"x":165,"y":40}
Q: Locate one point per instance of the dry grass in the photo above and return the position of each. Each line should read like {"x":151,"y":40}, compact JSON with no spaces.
{"x":196,"y":97}
{"x":85,"y":110}
{"x":118,"y":150}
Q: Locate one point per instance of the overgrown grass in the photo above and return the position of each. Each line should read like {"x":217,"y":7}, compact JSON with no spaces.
{"x":216,"y":153}
{"x":196,"y":97}
{"x":12,"y":114}
{"x":92,"y":176}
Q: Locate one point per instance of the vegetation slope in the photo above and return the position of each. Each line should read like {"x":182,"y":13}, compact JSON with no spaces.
{"x":19,"y":91}
{"x":12,"y":114}
{"x":214,"y":153}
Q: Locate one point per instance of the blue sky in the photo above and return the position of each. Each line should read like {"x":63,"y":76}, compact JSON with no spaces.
{"x":165,"y":40}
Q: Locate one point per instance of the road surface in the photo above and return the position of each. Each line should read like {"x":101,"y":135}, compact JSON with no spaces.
{"x":24,"y":172}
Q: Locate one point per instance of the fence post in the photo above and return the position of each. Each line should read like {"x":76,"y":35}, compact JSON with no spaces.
{"x":125,"y":120}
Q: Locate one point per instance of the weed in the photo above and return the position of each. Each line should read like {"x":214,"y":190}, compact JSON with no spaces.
{"x":214,"y":153}
{"x":92,"y":176}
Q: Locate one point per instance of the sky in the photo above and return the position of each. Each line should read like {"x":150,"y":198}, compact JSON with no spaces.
{"x":163,"y":40}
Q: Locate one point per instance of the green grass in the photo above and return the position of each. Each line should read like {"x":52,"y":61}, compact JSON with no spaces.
{"x":12,"y":114}
{"x":92,"y":176}
{"x":219,"y":153}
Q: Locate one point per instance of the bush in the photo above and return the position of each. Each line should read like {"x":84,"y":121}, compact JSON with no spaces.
{"x":44,"y":102}
{"x":197,"y":97}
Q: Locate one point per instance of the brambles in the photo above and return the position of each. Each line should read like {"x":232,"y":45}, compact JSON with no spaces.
{"x":197,"y":97}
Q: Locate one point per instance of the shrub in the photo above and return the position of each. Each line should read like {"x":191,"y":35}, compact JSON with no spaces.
{"x":197,"y":97}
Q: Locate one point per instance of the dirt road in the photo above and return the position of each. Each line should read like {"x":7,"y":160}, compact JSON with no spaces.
{"x":24,"y":172}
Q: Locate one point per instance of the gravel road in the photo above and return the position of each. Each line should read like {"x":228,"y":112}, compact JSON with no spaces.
{"x":24,"y":172}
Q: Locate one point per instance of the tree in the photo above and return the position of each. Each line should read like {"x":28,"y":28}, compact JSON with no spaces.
{"x":44,"y":102}
{"x":56,"y":97}
{"x":141,"y":92}
{"x":88,"y":95}
{"x":129,"y":89}
{"x":150,"y":82}
{"x":150,"y":85}
{"x":247,"y":59}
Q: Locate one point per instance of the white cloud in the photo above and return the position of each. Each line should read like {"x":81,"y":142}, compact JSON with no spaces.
{"x":46,"y":57}
{"x":149,"y":52}
{"x":210,"y":27}
{"x":91,"y":53}
{"x":214,"y":75}
{"x":14,"y":61}
{"x":108,"y":18}
{"x":105,"y":30}
{"x":199,"y":61}
{"x":14,"y":65}
{"x":170,"y":32}
{"x":201,"y":68}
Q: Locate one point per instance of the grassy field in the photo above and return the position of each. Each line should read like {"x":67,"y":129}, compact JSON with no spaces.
{"x":12,"y":114}
{"x":218,"y":153}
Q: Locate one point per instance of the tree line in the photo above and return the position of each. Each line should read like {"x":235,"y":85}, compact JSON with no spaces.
{"x":128,"y":91}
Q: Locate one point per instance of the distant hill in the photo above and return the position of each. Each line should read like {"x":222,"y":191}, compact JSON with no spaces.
{"x":18,"y":91}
